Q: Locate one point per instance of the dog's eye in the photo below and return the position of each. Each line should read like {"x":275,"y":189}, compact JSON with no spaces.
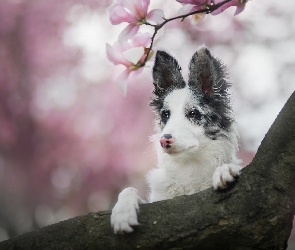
{"x":194,"y":114}
{"x":165,"y":114}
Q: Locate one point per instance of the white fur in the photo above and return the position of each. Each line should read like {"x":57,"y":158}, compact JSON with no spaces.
{"x":193,"y":163}
{"x":124,"y":214}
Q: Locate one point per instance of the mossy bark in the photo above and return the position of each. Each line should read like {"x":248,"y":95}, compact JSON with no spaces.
{"x":255,"y":213}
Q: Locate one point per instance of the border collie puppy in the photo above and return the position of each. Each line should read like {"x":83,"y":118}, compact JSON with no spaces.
{"x":196,"y":138}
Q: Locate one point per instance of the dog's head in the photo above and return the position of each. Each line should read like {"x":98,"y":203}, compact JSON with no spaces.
{"x":193,"y":113}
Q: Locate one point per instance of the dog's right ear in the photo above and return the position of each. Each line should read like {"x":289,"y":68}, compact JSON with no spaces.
{"x":166,"y":72}
{"x":207,"y":74}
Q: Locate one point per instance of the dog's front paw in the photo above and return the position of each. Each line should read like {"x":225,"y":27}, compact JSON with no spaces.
{"x":124,"y":214}
{"x":224,"y":175}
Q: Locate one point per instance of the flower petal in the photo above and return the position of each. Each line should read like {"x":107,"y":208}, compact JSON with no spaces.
{"x":118,"y":14}
{"x":135,"y":8}
{"x":194,"y":2}
{"x":125,"y":77}
{"x":122,"y":81}
{"x":114,"y":55}
{"x":141,"y":39}
{"x":239,"y":9}
{"x":238,"y":3}
{"x":128,"y":33}
{"x":141,"y":7}
{"x":195,"y":19}
{"x":187,"y":8}
{"x":135,"y":73}
{"x":133,"y":55}
{"x":221,"y":8}
{"x":145,"y":4}
{"x":155,"y":16}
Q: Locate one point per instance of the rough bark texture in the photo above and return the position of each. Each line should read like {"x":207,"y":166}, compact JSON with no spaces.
{"x":255,"y":213}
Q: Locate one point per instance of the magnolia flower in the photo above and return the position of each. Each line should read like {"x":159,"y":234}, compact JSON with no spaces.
{"x":191,"y":6}
{"x":240,"y":4}
{"x":194,"y":5}
{"x":135,"y":13}
{"x":194,"y":2}
{"x":131,"y":54}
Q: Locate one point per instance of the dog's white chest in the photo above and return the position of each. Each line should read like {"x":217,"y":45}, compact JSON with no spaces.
{"x":167,"y":183}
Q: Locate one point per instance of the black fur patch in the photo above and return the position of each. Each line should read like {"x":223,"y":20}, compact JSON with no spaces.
{"x":167,"y":77}
{"x":209,"y":81}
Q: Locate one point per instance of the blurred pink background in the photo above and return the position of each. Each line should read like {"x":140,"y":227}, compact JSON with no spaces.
{"x":70,"y":141}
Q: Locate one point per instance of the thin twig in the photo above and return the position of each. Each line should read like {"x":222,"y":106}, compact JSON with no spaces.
{"x":207,"y":10}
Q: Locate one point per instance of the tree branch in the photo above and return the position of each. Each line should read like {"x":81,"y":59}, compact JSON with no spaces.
{"x":207,"y":9}
{"x":255,"y":213}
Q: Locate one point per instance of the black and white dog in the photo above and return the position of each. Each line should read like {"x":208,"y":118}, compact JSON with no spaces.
{"x":196,"y":138}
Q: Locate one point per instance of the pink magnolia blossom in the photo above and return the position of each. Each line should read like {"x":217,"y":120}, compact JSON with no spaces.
{"x":134,"y":12}
{"x":130,"y":54}
{"x":191,"y":6}
{"x":194,"y":2}
{"x":194,"y":5}
{"x":240,"y":4}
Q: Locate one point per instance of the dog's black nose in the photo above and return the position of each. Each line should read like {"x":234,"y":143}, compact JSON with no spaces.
{"x":167,"y":136}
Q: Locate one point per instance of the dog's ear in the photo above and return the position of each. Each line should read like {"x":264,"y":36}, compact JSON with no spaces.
{"x":166,"y":72}
{"x":207,"y":74}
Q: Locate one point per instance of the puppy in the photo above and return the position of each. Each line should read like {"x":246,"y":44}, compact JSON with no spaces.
{"x":196,"y":138}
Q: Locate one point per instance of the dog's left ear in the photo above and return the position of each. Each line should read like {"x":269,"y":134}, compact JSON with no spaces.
{"x":167,"y":72}
{"x":207,"y":74}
